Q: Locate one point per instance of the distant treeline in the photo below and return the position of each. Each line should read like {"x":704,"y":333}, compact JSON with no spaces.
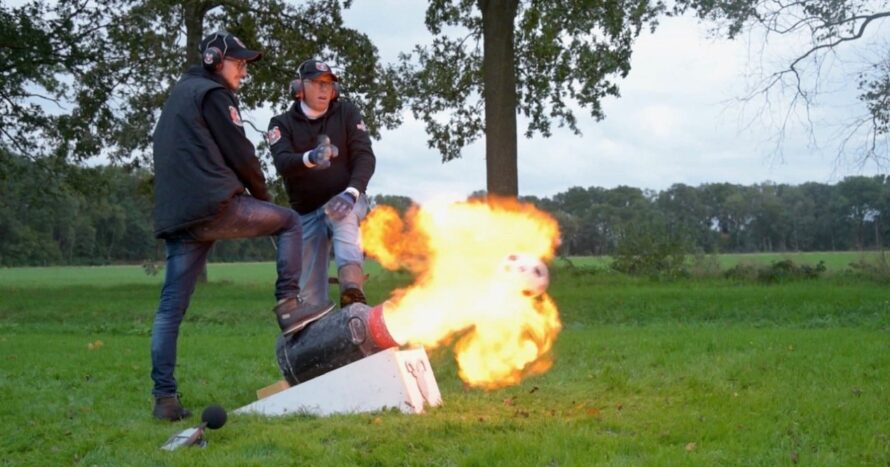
{"x":57,"y":213}
{"x":724,"y":217}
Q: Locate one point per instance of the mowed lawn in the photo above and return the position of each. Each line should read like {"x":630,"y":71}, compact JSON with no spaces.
{"x":687,"y":372}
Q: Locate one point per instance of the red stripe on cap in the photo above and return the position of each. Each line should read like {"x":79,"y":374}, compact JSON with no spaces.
{"x":377,"y":329}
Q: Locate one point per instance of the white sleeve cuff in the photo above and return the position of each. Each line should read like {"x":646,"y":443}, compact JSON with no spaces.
{"x":353,"y":191}
{"x":306,"y":160}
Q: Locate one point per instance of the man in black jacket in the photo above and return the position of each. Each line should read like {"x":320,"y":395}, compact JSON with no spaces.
{"x":204,"y":168}
{"x":322,"y":150}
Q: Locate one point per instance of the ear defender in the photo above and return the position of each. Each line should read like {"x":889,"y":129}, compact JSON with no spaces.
{"x":212,"y":58}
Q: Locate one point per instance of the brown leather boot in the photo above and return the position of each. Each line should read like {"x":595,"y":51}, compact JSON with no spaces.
{"x":351,"y":277}
{"x":170,"y":408}
{"x":294,"y":314}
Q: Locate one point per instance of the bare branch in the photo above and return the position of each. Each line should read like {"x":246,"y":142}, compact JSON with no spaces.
{"x":840,"y":40}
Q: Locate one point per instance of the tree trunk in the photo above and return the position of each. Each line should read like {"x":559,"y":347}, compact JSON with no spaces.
{"x":193,"y":16}
{"x":499,"y":88}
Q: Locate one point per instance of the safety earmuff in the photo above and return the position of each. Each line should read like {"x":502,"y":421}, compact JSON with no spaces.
{"x":296,"y":86}
{"x":212,"y":57}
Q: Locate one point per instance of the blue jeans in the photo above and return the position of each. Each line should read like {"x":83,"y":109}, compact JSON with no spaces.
{"x":243,"y":216}
{"x":320,"y":235}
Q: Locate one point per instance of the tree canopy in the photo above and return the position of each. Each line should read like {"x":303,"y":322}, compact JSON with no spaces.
{"x":84,"y":78}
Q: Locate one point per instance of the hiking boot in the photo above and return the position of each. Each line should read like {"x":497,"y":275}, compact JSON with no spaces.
{"x":169,"y":408}
{"x":351,"y":277}
{"x":352,"y":295}
{"x":294,"y":314}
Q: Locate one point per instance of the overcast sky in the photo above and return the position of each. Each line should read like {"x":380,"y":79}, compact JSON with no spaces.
{"x":675,"y":121}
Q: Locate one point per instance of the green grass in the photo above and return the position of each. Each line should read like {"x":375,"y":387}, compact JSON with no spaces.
{"x":702,"y":372}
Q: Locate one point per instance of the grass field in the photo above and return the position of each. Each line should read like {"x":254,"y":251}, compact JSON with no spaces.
{"x":700,"y":372}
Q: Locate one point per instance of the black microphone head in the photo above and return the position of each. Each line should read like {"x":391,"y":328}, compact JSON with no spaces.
{"x":214,"y":416}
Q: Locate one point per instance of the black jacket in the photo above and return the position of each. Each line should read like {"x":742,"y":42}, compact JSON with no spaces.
{"x":291,"y":134}
{"x":201,"y":156}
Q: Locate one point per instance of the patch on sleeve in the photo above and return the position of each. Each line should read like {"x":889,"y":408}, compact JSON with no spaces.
{"x":361,"y":126}
{"x":273,"y":136}
{"x":235,"y":116}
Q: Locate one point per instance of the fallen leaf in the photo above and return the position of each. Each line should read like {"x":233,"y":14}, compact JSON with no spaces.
{"x":377,"y":421}
{"x":690,"y":447}
{"x":620,"y":407}
{"x":593,"y":412}
{"x":509,"y":401}
{"x":533,"y":390}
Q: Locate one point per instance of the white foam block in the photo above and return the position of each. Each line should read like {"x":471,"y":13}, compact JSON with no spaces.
{"x":392,"y":378}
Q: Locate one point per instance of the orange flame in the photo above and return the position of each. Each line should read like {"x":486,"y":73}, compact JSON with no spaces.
{"x":456,"y":251}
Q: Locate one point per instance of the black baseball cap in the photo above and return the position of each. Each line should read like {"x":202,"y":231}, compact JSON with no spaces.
{"x":231,"y":46}
{"x":311,"y":69}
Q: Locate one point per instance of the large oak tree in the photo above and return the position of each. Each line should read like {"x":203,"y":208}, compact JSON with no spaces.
{"x":493,"y":59}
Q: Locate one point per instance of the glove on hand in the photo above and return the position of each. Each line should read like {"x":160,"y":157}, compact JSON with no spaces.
{"x":323,"y":153}
{"x":339,"y":206}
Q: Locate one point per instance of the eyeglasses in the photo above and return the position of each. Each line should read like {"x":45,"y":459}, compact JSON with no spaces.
{"x":241,"y":64}
{"x":323,"y":85}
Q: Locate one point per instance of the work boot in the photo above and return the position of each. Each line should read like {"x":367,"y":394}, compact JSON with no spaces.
{"x":351,"y":277}
{"x":294,"y":314}
{"x":352,"y":295}
{"x":170,"y":408}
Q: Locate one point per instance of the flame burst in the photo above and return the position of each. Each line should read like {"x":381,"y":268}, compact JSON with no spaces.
{"x":456,"y":252}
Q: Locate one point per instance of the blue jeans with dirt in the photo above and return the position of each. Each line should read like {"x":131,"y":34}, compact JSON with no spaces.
{"x":321,"y":234}
{"x":242,"y":217}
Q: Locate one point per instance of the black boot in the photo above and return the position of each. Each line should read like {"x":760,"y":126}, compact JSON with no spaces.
{"x":170,"y":408}
{"x":294,"y":314}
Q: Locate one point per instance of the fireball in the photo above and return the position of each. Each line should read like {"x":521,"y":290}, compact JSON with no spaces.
{"x":501,"y":332}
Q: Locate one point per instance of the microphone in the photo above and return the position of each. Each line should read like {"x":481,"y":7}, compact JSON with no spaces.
{"x":213,"y":417}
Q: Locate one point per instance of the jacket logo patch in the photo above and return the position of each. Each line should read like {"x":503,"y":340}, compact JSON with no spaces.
{"x":235,"y":116}
{"x":361,"y":126}
{"x":273,"y":136}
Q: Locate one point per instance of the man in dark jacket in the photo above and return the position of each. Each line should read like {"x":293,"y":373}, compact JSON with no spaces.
{"x":204,"y":169}
{"x":322,"y":151}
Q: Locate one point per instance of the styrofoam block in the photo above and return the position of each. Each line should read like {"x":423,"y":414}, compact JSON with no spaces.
{"x":392,"y":378}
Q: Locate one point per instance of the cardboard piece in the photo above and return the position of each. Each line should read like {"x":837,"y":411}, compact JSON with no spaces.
{"x":273,"y":388}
